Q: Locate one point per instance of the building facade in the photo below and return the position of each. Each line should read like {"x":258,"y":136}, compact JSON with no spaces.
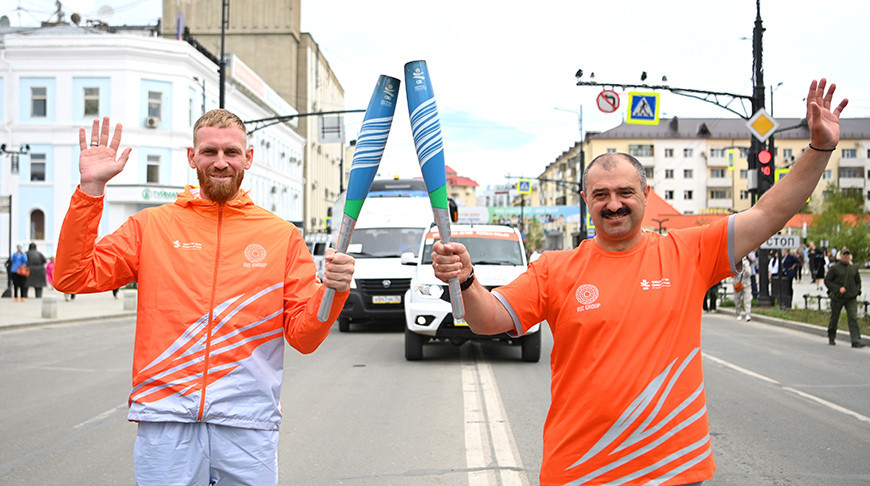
{"x":700,"y":165}
{"x":268,"y":37}
{"x":58,"y":79}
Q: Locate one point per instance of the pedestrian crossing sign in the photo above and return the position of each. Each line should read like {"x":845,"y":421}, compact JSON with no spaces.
{"x":643,"y":108}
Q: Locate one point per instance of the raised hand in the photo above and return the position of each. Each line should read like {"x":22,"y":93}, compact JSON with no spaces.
{"x":824,"y":123}
{"x":98,"y":161}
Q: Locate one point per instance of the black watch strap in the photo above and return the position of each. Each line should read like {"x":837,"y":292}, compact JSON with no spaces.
{"x":467,"y":283}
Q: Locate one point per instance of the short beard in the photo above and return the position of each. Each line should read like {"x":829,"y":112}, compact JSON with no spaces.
{"x":219,"y":192}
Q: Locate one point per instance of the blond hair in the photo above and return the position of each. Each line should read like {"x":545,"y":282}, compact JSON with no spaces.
{"x":219,"y":118}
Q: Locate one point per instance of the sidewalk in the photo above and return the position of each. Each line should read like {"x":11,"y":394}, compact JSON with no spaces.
{"x":807,"y":287}
{"x":84,"y":307}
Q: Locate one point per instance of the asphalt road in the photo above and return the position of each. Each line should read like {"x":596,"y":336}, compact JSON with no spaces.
{"x":785,"y":408}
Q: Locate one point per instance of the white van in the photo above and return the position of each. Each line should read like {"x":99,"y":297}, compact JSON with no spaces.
{"x":498,"y":257}
{"x":393,"y":219}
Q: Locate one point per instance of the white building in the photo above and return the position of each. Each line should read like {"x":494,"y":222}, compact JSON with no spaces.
{"x":55,"y":80}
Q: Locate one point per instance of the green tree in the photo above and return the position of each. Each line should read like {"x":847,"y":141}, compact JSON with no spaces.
{"x":842,"y":222}
{"x":534,"y":236}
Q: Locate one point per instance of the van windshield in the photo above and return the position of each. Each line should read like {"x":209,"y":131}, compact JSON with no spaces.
{"x":385,"y":242}
{"x":489,"y":251}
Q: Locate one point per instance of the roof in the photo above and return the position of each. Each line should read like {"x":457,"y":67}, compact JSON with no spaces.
{"x":724,"y":128}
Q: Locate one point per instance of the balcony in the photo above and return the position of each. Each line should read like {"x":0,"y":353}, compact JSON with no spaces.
{"x":719,"y":182}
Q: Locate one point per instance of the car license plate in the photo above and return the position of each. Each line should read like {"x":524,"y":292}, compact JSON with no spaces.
{"x":459,"y":322}
{"x":386,"y":299}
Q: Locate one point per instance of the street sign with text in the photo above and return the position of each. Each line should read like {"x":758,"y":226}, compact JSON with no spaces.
{"x":776,"y":242}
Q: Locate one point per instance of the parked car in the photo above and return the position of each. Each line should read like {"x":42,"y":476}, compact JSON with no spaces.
{"x":317,"y":245}
{"x":498,"y":257}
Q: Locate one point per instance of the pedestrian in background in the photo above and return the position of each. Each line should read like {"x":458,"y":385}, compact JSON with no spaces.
{"x":711,"y":296}
{"x":36,"y":261}
{"x":19,"y":282}
{"x":844,"y":287}
{"x":753,"y":277}
{"x":49,"y":271}
{"x":788,"y":270}
{"x":816,"y":264}
{"x":742,"y":292}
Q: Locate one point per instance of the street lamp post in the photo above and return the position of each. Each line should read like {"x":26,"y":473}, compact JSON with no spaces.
{"x":581,"y":228}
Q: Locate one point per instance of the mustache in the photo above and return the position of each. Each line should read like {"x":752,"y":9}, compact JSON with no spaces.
{"x":623,"y":211}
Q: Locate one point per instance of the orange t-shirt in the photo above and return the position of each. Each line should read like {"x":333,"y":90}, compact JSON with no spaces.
{"x":627,"y":389}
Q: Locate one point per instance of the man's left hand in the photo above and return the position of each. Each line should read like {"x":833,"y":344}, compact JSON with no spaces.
{"x":338,"y":270}
{"x":823,"y":122}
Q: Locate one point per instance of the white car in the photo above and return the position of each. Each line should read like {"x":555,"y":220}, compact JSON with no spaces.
{"x":498,"y":257}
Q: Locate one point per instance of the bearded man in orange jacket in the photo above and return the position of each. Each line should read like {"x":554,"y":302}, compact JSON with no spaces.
{"x":222,"y":282}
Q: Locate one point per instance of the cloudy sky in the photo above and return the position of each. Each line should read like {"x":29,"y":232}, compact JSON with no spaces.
{"x":503,"y":71}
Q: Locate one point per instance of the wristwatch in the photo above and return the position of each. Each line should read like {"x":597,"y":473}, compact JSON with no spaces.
{"x":467,"y":283}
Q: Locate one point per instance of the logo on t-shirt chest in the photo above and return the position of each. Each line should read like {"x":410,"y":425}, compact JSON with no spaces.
{"x":587,"y":295}
{"x":655,"y":284}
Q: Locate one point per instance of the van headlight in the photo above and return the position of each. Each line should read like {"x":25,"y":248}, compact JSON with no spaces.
{"x":429,"y":291}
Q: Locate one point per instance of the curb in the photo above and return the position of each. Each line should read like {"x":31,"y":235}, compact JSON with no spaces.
{"x":71,"y":320}
{"x":797,"y":326}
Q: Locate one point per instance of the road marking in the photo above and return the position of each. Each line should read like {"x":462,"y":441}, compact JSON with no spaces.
{"x":99,"y":417}
{"x":492,"y":456}
{"x":820,"y":401}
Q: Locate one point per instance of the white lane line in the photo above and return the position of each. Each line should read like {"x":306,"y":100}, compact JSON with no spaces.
{"x":820,"y":401}
{"x":491,"y":451}
{"x":100,"y":416}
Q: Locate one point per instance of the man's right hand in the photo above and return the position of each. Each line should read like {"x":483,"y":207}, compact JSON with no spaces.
{"x":97,"y":162}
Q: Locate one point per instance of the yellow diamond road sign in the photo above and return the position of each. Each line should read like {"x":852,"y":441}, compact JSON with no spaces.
{"x":762,"y":125}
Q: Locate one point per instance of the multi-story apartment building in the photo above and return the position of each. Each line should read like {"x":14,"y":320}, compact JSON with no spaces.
{"x":57,"y":79}
{"x":699,"y":166}
{"x":689,"y":164}
{"x":268,"y":36}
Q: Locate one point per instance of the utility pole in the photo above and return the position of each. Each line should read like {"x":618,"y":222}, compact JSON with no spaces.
{"x":756,"y":146}
{"x":225,"y":22}
{"x":756,"y":101}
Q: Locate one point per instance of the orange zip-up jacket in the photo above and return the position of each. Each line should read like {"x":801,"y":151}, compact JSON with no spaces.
{"x":219,"y":285}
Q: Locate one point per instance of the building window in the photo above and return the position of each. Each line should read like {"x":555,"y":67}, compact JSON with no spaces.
{"x":38,"y":102}
{"x":37,"y":167}
{"x":37,"y":225}
{"x":743,"y":173}
{"x":849,"y":153}
{"x":152,"y":170}
{"x":687,"y":153}
{"x":155,"y":104}
{"x":640,"y":150}
{"x":687,"y":195}
{"x":717,"y":153}
{"x":850,"y":172}
{"x":717,"y":173}
{"x":688,"y":173}
{"x":718,"y":194}
{"x":669,"y":173}
{"x":787,"y":154}
{"x":92,"y":102}
{"x":669,"y":153}
{"x":669,"y":195}
{"x":611,"y":151}
{"x":827,"y":175}
{"x":649,"y":172}
{"x":744,"y":195}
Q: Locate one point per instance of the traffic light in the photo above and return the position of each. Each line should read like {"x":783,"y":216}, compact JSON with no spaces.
{"x":765,"y":171}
